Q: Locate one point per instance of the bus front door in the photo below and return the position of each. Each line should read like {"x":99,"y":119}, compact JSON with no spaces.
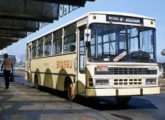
{"x":81,"y":76}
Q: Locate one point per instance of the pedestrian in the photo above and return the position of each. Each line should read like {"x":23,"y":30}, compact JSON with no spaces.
{"x":7,"y":65}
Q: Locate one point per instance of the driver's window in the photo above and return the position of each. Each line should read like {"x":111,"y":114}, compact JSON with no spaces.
{"x":82,"y":51}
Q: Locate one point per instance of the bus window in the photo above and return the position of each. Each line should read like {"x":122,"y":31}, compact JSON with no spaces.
{"x":82,"y":51}
{"x":34,"y":49}
{"x":122,"y":40}
{"x":57,"y":42}
{"x":107,"y":41}
{"x":147,"y":42}
{"x":40,"y":48}
{"x":70,"y":38}
{"x":48,"y":45}
{"x":133,"y":39}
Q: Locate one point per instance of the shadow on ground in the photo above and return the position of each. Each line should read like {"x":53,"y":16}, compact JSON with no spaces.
{"x":105,"y":103}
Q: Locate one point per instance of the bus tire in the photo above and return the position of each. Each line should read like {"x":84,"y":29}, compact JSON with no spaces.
{"x":70,"y":92}
{"x":123,"y":100}
{"x":36,"y":85}
{"x":69,"y":89}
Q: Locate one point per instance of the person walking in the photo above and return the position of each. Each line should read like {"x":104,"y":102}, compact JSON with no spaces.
{"x":7,"y":65}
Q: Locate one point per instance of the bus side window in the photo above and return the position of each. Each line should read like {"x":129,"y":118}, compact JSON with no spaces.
{"x":48,"y":45}
{"x":72,"y":48}
{"x":57,"y":42}
{"x":69,"y":38}
{"x":34,"y":49}
{"x":40,"y":48}
{"x":82,"y":51}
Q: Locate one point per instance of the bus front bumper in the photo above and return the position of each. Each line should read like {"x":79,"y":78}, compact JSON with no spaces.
{"x":122,"y":91}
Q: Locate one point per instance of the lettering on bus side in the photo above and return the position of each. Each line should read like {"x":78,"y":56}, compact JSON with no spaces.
{"x":64,"y":64}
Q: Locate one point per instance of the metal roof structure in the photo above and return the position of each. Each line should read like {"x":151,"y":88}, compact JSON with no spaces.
{"x":19,"y":17}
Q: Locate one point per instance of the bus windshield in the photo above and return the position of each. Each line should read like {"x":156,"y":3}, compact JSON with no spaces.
{"x":109,"y":41}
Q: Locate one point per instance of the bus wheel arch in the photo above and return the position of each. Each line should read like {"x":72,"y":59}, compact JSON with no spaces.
{"x":69,"y":88}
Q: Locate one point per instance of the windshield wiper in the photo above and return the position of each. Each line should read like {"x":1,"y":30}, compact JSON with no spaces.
{"x":140,"y":55}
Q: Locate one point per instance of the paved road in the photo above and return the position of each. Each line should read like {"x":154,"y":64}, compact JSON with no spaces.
{"x":22,"y":102}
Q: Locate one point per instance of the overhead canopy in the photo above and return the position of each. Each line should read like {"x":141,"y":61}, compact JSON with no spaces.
{"x":18,"y":17}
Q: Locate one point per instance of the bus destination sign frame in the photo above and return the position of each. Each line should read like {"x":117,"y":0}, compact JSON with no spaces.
{"x":124,"y":19}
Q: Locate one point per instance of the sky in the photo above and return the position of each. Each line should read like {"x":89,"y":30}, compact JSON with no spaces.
{"x":150,"y":8}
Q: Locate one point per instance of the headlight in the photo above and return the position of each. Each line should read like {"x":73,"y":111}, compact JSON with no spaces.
{"x":151,"y":81}
{"x":101,"y":81}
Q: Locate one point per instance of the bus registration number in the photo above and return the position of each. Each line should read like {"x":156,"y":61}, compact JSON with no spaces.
{"x":102,"y":68}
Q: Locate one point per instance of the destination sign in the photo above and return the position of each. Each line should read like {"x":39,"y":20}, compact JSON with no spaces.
{"x":124,"y":19}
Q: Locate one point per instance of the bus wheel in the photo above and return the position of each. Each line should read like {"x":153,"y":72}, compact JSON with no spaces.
{"x":123,"y":100}
{"x":70,"y":92}
{"x":36,"y":85}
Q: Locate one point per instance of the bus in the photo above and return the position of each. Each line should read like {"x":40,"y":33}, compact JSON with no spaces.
{"x":13,"y":59}
{"x":99,"y":54}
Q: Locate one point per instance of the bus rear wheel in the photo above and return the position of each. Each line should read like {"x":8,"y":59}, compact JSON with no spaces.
{"x":123,"y":100}
{"x":70,"y":92}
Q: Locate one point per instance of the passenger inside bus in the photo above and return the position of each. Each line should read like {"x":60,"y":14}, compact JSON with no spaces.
{"x":72,"y":48}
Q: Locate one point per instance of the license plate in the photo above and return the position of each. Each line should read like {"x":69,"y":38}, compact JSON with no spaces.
{"x":102,"y":68}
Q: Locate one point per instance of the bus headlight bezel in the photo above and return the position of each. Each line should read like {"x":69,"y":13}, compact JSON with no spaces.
{"x":151,"y":81}
{"x":102,"y":82}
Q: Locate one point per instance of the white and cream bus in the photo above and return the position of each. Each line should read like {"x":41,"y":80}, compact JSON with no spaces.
{"x":98,"y":54}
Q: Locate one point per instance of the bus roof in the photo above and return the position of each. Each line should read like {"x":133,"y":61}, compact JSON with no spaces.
{"x":81,"y":17}
{"x":123,"y":14}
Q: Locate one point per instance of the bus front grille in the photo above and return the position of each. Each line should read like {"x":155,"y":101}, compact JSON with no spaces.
{"x":129,"y":82}
{"x":125,"y":71}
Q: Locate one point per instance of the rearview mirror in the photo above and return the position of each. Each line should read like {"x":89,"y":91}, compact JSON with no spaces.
{"x":87,"y":35}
